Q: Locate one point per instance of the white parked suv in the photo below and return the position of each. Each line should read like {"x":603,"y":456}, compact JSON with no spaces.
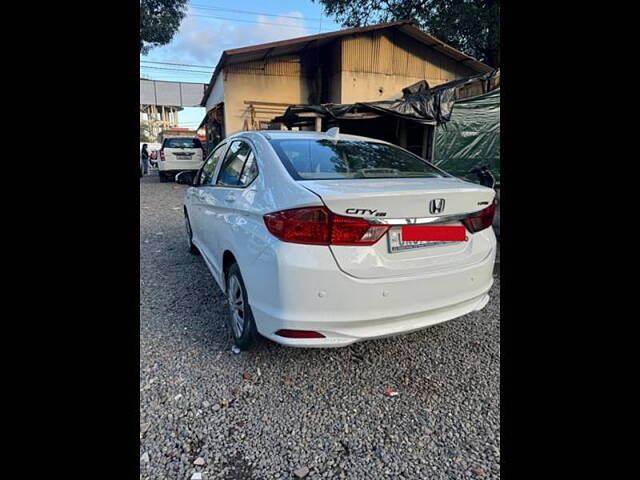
{"x":179,"y":154}
{"x":323,"y":239}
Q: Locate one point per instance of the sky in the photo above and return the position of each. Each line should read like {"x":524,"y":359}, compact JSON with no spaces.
{"x":202,"y":39}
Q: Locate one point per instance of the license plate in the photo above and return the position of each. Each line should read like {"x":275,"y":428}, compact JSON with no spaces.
{"x":422,"y":236}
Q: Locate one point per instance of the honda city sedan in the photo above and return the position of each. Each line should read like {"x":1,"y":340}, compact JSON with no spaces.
{"x":325,"y":239}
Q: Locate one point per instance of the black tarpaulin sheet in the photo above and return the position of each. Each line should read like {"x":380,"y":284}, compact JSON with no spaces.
{"x":418,"y":104}
{"x":471,"y":137}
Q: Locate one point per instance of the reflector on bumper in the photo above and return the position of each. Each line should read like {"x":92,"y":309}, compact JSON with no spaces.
{"x":299,"y":334}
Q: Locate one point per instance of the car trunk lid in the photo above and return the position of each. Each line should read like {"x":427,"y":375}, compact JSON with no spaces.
{"x":400,"y":202}
{"x":400,"y":198}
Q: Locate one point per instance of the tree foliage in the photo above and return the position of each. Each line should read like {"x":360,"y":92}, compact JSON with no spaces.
{"x":159,"y":22}
{"x":471,"y":26}
{"x":145,"y":131}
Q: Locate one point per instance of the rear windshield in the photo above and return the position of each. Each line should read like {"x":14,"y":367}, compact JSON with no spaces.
{"x":310,"y":159}
{"x":182,"y":143}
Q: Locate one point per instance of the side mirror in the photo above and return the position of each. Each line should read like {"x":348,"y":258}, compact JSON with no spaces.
{"x":185,"y":178}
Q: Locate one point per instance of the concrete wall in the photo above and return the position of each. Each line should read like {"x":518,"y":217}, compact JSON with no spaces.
{"x":217,"y":93}
{"x":239,"y":87}
{"x":370,"y":87}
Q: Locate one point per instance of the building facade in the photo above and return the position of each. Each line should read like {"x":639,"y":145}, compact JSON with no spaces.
{"x":252,"y":85}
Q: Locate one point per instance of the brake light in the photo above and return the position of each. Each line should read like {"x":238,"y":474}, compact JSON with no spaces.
{"x":320,"y":226}
{"x":162,"y":155}
{"x":480,"y":220}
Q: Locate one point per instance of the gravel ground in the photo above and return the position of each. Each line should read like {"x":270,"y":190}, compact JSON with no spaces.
{"x":274,"y":411}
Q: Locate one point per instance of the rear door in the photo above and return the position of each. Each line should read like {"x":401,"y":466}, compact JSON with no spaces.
{"x":224,"y":203}
{"x":197,"y":198}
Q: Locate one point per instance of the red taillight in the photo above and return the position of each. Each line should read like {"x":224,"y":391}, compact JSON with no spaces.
{"x":301,"y":225}
{"x":162,"y":155}
{"x":480,"y":220}
{"x":319,"y":226}
{"x":355,"y":231}
{"x":299,"y":334}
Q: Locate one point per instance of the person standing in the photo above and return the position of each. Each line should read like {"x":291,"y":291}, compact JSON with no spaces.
{"x":144,"y":155}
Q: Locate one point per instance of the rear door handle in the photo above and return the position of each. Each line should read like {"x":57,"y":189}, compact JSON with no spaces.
{"x":230,"y":198}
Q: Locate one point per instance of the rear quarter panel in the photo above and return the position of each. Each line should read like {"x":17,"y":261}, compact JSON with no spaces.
{"x":243,"y":231}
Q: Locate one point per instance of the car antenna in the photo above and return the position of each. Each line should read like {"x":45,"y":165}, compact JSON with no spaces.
{"x":333,"y":132}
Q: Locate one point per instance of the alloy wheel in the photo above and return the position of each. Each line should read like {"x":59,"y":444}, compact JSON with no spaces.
{"x":236,"y":306}
{"x":189,"y":234}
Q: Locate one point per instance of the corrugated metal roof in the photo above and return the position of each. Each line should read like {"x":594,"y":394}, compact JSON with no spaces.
{"x":294,"y":45}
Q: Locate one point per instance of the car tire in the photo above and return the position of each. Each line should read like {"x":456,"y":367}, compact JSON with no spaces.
{"x":193,"y":250}
{"x":241,"y":321}
{"x":163,"y":177}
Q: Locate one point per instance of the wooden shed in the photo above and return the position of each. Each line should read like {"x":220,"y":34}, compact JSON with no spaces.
{"x":252,"y":85}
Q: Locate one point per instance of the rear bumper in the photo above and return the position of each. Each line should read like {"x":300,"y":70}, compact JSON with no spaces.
{"x":182,"y":166}
{"x":173,"y":173}
{"x":311,"y":293}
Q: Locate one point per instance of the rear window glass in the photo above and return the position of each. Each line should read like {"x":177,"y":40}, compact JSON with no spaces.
{"x":310,"y":159}
{"x":182,"y":143}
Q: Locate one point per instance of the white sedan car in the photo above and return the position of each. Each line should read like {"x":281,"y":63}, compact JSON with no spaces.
{"x":324,"y":239}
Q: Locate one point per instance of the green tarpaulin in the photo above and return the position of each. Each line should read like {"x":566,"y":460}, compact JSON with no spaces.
{"x":472,"y":137}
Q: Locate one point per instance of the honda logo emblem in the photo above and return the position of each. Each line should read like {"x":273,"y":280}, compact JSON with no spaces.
{"x":436,"y":205}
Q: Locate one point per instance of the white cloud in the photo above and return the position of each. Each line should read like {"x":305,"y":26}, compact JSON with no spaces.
{"x":202,"y":40}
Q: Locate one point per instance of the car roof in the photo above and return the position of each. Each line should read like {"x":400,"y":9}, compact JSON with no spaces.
{"x":306,"y":135}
